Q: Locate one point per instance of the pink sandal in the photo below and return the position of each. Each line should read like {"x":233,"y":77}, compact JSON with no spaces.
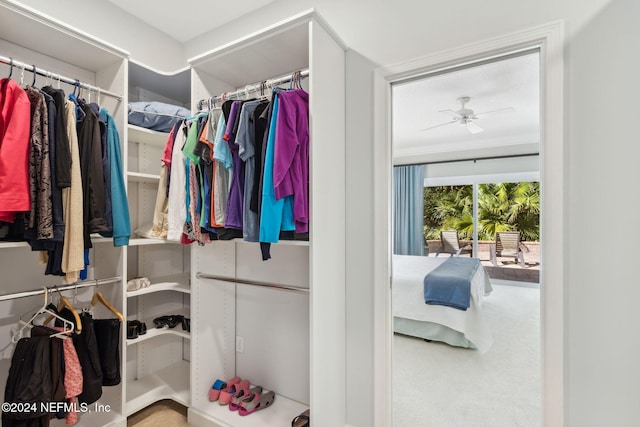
{"x":226,"y":394}
{"x":257,"y":402}
{"x":219,"y":386}
{"x":242,"y":396}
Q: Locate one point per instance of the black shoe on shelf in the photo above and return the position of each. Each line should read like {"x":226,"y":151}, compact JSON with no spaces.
{"x":135,"y":328}
{"x":170,"y":321}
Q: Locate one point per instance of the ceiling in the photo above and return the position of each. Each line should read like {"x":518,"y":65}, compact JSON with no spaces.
{"x":512,"y":82}
{"x":189,"y":18}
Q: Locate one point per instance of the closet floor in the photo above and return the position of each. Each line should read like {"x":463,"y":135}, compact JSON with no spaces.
{"x":165,"y":413}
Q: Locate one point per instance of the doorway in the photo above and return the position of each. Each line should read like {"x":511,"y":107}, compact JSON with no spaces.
{"x":469,"y":199}
{"x":549,"y":39}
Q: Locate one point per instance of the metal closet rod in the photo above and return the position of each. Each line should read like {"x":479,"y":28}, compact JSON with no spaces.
{"x":254,"y":87}
{"x":84,"y":284}
{"x":253,"y":283}
{"x":55,"y":76}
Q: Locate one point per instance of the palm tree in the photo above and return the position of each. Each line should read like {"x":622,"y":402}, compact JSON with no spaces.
{"x":501,"y":207}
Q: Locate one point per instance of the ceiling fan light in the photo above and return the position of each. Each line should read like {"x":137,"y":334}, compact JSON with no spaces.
{"x":473,"y":128}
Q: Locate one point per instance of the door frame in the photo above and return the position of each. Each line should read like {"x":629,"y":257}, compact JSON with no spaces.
{"x":549,"y":38}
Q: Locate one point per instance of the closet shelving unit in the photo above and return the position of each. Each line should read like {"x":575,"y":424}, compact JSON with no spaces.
{"x":157,"y":363}
{"x":285,"y":341}
{"x":35,"y":39}
{"x":289,"y":340}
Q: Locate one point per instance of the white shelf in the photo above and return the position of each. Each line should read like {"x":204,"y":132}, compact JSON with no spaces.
{"x":147,"y":178}
{"x":143,"y":241}
{"x":43,"y":34}
{"x":181,"y":284}
{"x":6,"y":245}
{"x":171,"y":382}
{"x":146,"y":136}
{"x":95,"y":238}
{"x":153,"y":332}
{"x":280,"y":413}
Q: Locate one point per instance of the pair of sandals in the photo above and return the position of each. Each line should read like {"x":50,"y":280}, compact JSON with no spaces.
{"x":240,"y":396}
{"x":171,"y":321}
{"x":302,"y":420}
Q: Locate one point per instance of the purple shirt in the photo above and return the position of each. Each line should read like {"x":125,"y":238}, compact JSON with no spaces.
{"x":236,"y":190}
{"x":291,"y":157}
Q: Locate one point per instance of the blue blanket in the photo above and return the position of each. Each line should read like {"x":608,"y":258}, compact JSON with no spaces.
{"x":450,"y":283}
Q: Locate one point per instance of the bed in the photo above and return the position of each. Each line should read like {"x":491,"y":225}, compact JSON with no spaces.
{"x":412,"y":316}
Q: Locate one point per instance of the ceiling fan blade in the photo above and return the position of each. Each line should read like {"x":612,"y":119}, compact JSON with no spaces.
{"x":451,"y":113}
{"x":510,"y":109}
{"x":439,"y":125}
{"x":474,"y":128}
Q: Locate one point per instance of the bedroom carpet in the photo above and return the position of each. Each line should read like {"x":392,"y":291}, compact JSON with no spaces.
{"x":436,"y":385}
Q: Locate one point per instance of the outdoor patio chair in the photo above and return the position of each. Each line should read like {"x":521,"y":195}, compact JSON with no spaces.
{"x":450,"y":244}
{"x":508,"y":244}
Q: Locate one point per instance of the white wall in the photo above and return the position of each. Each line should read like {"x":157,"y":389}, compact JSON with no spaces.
{"x":602,"y":349}
{"x":604,"y":373}
{"x":360,"y":241}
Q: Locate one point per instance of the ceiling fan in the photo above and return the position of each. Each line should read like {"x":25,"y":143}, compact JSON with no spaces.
{"x":466,"y":117}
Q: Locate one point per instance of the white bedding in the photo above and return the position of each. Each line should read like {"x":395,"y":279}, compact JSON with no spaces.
{"x":408,"y":301}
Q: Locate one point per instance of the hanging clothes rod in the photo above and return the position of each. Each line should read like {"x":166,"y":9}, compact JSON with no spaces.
{"x":256,"y":87}
{"x":84,"y":284}
{"x":58,"y":77}
{"x":253,"y":283}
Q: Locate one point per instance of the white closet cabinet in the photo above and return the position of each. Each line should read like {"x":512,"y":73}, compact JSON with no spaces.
{"x":157,"y":363}
{"x":34,"y":39}
{"x":289,"y":341}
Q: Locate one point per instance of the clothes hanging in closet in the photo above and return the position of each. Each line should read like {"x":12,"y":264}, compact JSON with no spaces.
{"x":73,"y":379}
{"x":61,"y":174}
{"x":107,"y":333}
{"x":240,"y":171}
{"x":29,"y":382}
{"x":121,"y":225}
{"x":72,"y":205}
{"x":89,"y":141}
{"x":86,"y":347}
{"x":15,"y":119}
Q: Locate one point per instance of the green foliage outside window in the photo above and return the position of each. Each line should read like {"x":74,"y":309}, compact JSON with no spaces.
{"x":501,"y":207}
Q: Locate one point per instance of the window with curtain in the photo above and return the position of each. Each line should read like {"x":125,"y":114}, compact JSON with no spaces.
{"x":408,"y":206}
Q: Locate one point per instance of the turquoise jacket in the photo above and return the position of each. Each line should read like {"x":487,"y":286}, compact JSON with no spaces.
{"x":119,"y":203}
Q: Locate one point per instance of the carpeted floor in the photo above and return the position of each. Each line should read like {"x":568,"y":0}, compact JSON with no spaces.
{"x":165,"y":413}
{"x":436,"y":385}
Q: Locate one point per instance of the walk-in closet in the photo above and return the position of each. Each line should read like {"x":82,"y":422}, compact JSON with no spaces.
{"x":276,"y":320}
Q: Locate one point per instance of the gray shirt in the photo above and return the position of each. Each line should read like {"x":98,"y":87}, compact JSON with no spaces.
{"x":245,"y":139}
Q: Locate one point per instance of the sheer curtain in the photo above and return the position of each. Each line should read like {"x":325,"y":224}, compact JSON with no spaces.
{"x":408,"y":207}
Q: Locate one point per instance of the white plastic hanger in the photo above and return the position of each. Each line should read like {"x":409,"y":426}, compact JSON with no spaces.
{"x":68,"y":326}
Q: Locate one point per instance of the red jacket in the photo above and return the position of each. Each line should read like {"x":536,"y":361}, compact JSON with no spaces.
{"x":15,"y":119}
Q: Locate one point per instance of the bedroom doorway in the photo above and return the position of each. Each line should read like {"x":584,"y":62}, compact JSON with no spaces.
{"x":465,"y":129}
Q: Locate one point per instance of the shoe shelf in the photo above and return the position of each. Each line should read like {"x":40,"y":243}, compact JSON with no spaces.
{"x":280,"y":413}
{"x":171,"y":382}
{"x":152,"y":332}
{"x":146,"y":136}
{"x":177,"y":283}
